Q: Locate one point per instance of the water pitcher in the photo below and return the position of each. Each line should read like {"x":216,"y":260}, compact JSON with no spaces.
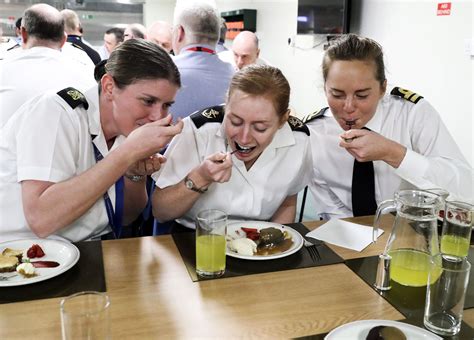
{"x":414,"y":237}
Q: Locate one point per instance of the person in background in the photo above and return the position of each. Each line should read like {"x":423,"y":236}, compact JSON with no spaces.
{"x":62,"y":153}
{"x":113,"y":37}
{"x":160,"y":33}
{"x":18,"y":41}
{"x":134,"y":31}
{"x":40,"y":62}
{"x":248,"y":158}
{"x":8,"y":43}
{"x":205,"y":77}
{"x":72,"y":26}
{"x":245,"y":51}
{"x":220,"y":47}
{"x":398,"y":138}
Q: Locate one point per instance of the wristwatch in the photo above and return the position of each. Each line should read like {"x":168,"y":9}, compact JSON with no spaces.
{"x":191,"y":186}
{"x":135,"y":178}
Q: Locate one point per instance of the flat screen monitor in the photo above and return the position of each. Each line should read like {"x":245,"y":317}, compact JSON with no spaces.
{"x":323,"y":16}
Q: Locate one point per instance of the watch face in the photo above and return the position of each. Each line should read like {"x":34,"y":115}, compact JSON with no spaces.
{"x":189,"y":184}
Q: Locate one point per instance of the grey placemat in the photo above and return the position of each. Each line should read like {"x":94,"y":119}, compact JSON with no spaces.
{"x":87,"y":274}
{"x":410,"y":301}
{"x":238,"y":267}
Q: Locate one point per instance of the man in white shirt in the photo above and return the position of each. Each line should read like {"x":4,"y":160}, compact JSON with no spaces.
{"x":41,"y":66}
{"x":245,"y":51}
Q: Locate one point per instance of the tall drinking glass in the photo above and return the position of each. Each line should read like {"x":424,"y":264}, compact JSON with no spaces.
{"x":211,"y":228}
{"x":445,"y":295}
{"x":85,"y":315}
{"x":457,"y":227}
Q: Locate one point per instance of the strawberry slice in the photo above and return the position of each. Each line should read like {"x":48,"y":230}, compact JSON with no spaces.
{"x":251,"y":233}
{"x":35,"y":251}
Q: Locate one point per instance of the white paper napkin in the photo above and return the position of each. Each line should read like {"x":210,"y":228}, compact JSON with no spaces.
{"x":345,"y":234}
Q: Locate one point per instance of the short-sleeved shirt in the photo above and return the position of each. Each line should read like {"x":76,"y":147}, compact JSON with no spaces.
{"x":283,"y":169}
{"x":432,"y":160}
{"x":205,"y":80}
{"x":48,"y":140}
{"x":45,"y":69}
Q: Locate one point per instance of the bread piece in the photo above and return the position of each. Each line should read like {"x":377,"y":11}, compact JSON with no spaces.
{"x":8,"y":263}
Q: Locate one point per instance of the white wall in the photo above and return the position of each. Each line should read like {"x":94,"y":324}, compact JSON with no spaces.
{"x":158,"y":10}
{"x":424,"y":52}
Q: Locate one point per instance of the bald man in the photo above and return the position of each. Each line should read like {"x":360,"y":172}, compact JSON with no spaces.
{"x":160,"y":33}
{"x":245,"y":49}
{"x":134,"y":31}
{"x":42,"y":65}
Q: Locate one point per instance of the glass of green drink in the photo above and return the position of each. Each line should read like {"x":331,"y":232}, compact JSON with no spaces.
{"x":211,"y":228}
{"x":456,"y":233}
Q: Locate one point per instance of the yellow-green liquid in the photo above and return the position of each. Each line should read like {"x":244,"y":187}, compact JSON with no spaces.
{"x":410,"y":267}
{"x":455,"y":245}
{"x":210,"y":254}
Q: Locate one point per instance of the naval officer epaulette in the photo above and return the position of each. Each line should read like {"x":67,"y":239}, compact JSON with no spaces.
{"x":315,"y":115}
{"x":77,"y":46}
{"x":406,"y":94}
{"x":73,"y":97}
{"x":214,"y":114}
{"x":297,"y":125}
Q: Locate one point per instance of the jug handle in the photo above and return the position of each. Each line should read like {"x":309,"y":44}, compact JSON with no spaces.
{"x":383,"y":208}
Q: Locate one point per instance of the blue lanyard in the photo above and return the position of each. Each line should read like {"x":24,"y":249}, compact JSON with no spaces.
{"x":115,"y":219}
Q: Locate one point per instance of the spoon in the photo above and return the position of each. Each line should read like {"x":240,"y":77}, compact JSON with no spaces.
{"x":221,"y":160}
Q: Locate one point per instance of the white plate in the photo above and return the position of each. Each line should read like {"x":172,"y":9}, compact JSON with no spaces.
{"x":358,"y":330}
{"x":295,"y":236}
{"x":65,"y":253}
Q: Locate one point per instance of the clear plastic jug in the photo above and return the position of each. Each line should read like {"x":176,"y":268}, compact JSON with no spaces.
{"x":414,"y":237}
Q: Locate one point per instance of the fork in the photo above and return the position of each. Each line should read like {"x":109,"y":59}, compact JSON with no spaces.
{"x":6,"y":277}
{"x":312,"y":250}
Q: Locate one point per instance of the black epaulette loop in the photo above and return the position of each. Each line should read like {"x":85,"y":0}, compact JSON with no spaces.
{"x":73,"y":97}
{"x":315,"y":115}
{"x":297,"y":124}
{"x":406,"y":94}
{"x":214,"y":114}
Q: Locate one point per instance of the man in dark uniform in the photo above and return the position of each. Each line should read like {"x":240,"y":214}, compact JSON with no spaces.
{"x":72,"y":27}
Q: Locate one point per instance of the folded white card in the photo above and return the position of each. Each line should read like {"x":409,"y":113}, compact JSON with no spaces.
{"x":345,"y":234}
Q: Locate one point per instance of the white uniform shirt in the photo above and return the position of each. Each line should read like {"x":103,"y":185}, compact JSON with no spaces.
{"x":282,"y":170}
{"x":79,"y":56}
{"x":433,"y":160}
{"x":53,"y":144}
{"x":228,"y":57}
{"x":28,"y":73}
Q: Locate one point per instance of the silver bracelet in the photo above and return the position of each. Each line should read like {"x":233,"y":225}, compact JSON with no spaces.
{"x":135,"y":178}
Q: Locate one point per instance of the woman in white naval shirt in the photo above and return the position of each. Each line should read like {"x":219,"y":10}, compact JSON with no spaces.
{"x":53,"y":179}
{"x":408,"y":142}
{"x":249,"y":158}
